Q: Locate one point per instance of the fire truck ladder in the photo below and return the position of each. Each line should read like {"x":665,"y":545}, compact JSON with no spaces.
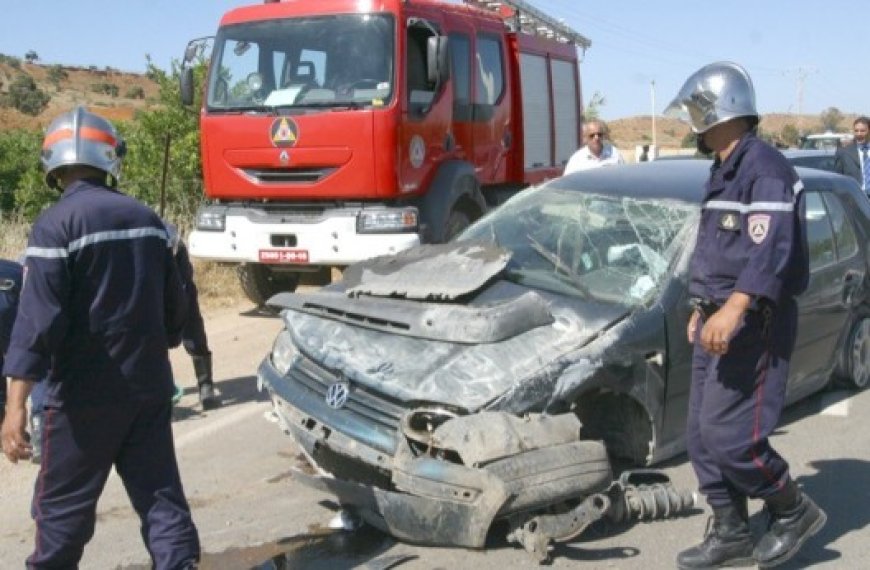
{"x":528,"y":19}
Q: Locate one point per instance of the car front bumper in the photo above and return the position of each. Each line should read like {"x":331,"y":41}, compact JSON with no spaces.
{"x":482,"y":467}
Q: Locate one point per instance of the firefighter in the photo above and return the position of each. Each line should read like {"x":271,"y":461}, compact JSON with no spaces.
{"x":749,"y":263}
{"x":193,"y":335}
{"x":100,"y":302}
{"x":10,"y":285}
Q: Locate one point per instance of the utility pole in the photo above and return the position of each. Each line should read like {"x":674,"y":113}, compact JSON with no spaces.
{"x":801,"y":74}
{"x":652,"y":85}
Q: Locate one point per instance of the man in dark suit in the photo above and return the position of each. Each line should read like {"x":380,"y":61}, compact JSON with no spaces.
{"x":854,"y":159}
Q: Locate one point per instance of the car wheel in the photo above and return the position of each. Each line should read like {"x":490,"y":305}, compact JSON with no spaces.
{"x":858,"y":355}
{"x":260,"y":282}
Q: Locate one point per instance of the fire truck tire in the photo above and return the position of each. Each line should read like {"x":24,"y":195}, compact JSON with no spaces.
{"x":457,"y":222}
{"x":259,"y":282}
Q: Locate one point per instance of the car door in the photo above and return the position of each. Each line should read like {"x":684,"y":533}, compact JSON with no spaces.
{"x":835,"y":269}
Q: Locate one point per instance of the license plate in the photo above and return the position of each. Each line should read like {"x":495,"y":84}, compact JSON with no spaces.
{"x":283,"y":256}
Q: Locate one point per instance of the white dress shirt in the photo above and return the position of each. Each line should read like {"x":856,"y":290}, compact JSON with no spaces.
{"x":583,"y":159}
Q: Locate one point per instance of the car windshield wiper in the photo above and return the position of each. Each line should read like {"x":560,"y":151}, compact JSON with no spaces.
{"x":326,"y":105}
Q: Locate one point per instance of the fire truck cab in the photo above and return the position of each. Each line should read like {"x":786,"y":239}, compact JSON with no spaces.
{"x":339,"y":130}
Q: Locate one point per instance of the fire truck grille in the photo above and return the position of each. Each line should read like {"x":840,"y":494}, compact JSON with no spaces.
{"x":288,"y":175}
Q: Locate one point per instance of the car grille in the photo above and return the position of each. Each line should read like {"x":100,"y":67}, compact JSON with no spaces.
{"x":368,"y":406}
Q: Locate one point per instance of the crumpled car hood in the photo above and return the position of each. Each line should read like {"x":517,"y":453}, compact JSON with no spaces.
{"x":464,"y":375}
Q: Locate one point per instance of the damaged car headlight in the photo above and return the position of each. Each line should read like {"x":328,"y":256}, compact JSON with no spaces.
{"x":284,"y":352}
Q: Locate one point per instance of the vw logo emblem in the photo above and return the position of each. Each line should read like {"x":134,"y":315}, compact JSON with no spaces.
{"x":284,"y":157}
{"x":336,"y":395}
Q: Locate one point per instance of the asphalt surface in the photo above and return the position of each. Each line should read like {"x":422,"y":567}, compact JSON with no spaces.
{"x":236,"y":467}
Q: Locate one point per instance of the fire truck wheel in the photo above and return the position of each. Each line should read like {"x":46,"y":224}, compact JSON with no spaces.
{"x":260,"y":282}
{"x":457,"y":222}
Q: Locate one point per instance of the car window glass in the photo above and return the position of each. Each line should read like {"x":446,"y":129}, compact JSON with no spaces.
{"x":460,"y":50}
{"x":844,"y":233}
{"x":610,"y":248}
{"x":820,"y":238}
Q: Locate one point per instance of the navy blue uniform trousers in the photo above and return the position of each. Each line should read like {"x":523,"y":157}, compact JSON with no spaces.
{"x":735,"y":404}
{"x":80,"y":446}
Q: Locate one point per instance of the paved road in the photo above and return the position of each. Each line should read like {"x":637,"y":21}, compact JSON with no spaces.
{"x":252,"y":514}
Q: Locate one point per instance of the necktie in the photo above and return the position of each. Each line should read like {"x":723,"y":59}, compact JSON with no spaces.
{"x":865,"y":167}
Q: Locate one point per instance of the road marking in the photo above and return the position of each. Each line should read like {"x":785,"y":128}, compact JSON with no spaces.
{"x":836,"y":404}
{"x":236,"y":416}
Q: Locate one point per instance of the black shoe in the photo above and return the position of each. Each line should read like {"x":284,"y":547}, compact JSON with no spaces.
{"x":727,"y":542}
{"x":788,"y":529}
{"x":208,"y":398}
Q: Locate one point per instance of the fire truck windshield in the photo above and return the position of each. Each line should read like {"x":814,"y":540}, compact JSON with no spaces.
{"x":325,"y":61}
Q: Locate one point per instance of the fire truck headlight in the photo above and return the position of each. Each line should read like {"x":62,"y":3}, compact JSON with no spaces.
{"x":211,"y":220}
{"x":387,"y":221}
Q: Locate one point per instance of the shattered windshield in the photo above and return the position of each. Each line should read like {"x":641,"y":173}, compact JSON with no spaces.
{"x":610,"y":248}
{"x":330,"y":61}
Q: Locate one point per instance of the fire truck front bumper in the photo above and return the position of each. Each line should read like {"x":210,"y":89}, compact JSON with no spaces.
{"x":334,"y":237}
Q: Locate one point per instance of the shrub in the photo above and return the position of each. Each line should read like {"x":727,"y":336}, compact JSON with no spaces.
{"x":135,"y":92}
{"x":25,"y":96}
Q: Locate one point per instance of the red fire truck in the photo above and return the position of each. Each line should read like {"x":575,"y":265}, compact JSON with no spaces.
{"x":338,"y":130}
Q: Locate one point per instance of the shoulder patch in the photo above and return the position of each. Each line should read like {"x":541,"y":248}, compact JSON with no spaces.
{"x":759,"y":224}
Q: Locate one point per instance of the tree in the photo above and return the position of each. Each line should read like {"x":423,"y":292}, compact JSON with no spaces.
{"x":19,"y":170}
{"x":592,"y":110}
{"x":146,"y":140}
{"x":25,"y":96}
{"x":31,"y":57}
{"x":831,"y":119}
{"x":790,"y":135}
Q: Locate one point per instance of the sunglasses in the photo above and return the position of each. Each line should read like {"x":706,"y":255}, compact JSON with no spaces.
{"x":593,"y":135}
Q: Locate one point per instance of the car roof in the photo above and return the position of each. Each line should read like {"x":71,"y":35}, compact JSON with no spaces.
{"x":791,"y":153}
{"x":681,"y":180}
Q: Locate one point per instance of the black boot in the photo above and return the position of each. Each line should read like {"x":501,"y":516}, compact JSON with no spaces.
{"x":202,"y":368}
{"x":728,"y":542}
{"x":794,"y":517}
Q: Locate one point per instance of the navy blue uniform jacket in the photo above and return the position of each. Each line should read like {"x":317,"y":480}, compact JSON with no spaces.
{"x":751,"y":236}
{"x":101,"y":297}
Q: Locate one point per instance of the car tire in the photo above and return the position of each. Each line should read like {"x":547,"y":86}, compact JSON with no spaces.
{"x":550,"y":475}
{"x":857,"y":355}
{"x":259,"y":282}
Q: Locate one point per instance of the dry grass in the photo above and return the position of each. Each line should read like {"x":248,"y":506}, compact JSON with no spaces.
{"x":13,"y":236}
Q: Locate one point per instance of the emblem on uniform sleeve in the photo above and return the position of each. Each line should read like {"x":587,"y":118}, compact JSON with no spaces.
{"x":758,"y":226}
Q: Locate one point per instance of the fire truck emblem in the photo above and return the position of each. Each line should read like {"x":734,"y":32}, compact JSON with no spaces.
{"x":417,"y":151}
{"x":284,"y":132}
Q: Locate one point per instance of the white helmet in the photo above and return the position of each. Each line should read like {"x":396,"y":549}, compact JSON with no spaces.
{"x":716,"y":93}
{"x":81,"y":137}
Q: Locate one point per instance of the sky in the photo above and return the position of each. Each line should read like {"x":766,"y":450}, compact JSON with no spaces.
{"x":803,"y":55}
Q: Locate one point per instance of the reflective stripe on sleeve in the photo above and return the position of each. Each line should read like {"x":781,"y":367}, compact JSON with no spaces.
{"x":98,"y":237}
{"x":746,"y":208}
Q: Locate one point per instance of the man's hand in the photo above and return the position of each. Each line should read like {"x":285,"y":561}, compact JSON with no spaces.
{"x":16,"y":443}
{"x":692,"y":326}
{"x":720,"y":328}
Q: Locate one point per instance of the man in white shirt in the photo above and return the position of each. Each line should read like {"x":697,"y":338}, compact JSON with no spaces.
{"x":597,"y":152}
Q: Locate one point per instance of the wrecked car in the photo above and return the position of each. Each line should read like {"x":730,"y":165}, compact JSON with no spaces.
{"x":501,"y":375}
